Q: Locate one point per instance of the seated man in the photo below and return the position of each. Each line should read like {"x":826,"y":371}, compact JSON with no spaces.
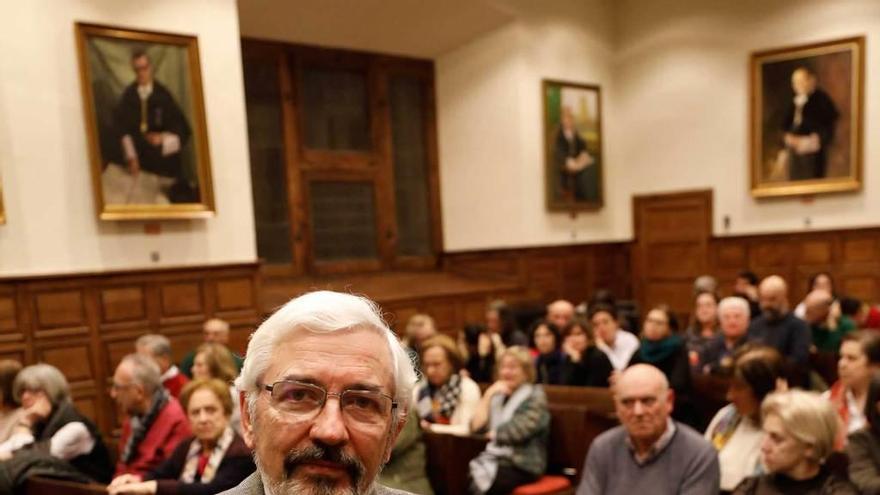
{"x":560,"y":313}
{"x":326,"y":389}
{"x":649,"y":452}
{"x":827,"y":331}
{"x":733,"y":315}
{"x":777,"y":326}
{"x":155,"y":424}
{"x":158,"y":348}
{"x":215,"y":331}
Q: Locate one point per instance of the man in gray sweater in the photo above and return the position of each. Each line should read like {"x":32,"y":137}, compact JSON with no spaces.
{"x":648,"y":453}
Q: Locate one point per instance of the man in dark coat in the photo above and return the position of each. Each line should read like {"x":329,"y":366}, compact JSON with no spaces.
{"x":153,"y":130}
{"x":808,"y":127}
{"x":573,"y":161}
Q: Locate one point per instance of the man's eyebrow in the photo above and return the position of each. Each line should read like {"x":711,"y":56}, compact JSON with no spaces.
{"x":367,"y":387}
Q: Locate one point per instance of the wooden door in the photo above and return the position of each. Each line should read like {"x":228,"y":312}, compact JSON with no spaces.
{"x":672,"y":233}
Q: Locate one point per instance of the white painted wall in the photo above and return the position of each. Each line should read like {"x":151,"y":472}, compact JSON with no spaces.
{"x":52,"y":225}
{"x":674,"y":75}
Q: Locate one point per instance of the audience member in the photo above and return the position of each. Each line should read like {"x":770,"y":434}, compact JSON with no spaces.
{"x":617,"y":344}
{"x":10,"y":412}
{"x":500,"y":323}
{"x":444,"y":399}
{"x":663,"y":348}
{"x":852,"y":313}
{"x":479,"y":351}
{"x":735,"y":431}
{"x":513,"y":412}
{"x":406,"y":469}
{"x":746,"y":287}
{"x":155,"y":424}
{"x":717,"y":357}
{"x":419,"y":328}
{"x":705,"y":283}
{"x":859,"y":359}
{"x":214,"y":331}
{"x":215,"y":458}
{"x":777,"y":326}
{"x":649,"y":452}
{"x":825,"y":329}
{"x":326,"y":389}
{"x":818,"y":281}
{"x":549,"y":360}
{"x":799,"y":431}
{"x":560,"y":313}
{"x":584,"y":365}
{"x":863,"y":447}
{"x":704,"y":325}
{"x":216,"y":361}
{"x":158,"y":348}
{"x":50,"y":425}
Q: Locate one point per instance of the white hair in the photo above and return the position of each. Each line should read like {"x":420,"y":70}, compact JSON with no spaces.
{"x":323,"y":312}
{"x":158,"y":345}
{"x":735,"y":303}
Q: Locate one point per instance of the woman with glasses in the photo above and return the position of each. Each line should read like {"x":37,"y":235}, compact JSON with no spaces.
{"x":216,"y":361}
{"x":214,"y":459}
{"x":51,"y":424}
{"x":444,"y":399}
{"x":513,"y":413}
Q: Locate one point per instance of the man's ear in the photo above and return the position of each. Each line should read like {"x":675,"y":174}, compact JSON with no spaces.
{"x":670,"y":401}
{"x":392,"y":437}
{"x":247,"y":428}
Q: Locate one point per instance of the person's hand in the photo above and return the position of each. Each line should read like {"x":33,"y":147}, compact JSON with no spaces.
{"x":694,"y":358}
{"x":38,"y":411}
{"x":134,"y":166}
{"x":154,"y":138}
{"x":125,"y":479}
{"x":141,"y":488}
{"x":790,"y":140}
{"x":425,"y":425}
{"x":781,"y":385}
{"x":571,"y":352}
{"x":499,"y":387}
{"x":5,"y":455}
{"x":484,"y":345}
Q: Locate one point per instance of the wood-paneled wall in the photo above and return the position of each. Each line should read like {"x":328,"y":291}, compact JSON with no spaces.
{"x":84,"y":324}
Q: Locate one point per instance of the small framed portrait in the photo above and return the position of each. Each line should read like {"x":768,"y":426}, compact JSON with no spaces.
{"x":572,"y":146}
{"x":145,"y":121}
{"x":806,"y":118}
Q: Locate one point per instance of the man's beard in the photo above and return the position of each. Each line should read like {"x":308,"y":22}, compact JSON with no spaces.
{"x":316,"y":485}
{"x":773,"y":314}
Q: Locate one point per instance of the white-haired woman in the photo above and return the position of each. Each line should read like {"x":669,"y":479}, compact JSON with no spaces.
{"x":799,"y":434}
{"x":734,"y":317}
{"x":51,"y":422}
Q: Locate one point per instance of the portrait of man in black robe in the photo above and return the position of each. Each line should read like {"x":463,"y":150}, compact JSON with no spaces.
{"x":808,"y":127}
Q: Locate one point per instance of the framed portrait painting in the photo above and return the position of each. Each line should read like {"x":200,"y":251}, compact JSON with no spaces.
{"x":145,"y":121}
{"x":572,"y":146}
{"x":806,"y":118}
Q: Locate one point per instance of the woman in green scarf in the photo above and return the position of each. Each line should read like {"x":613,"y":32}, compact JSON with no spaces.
{"x":662,"y":347}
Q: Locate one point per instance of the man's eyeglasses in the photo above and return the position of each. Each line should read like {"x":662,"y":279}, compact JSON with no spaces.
{"x":304,"y":401}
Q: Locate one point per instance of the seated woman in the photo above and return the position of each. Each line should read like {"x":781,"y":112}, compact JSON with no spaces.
{"x":799,"y":432}
{"x":859,"y":359}
{"x":514,"y":413}
{"x":664,"y":349}
{"x":548,"y":362}
{"x":419,"y":328}
{"x":444,"y":399}
{"x":735,"y":431}
{"x":501,"y":326}
{"x":863,"y":447}
{"x":585,"y":365}
{"x":10,"y":413}
{"x":216,"y":361}
{"x":704,"y":325}
{"x":619,"y":345}
{"x":214,"y":459}
{"x":51,"y":423}
{"x":478,"y":350}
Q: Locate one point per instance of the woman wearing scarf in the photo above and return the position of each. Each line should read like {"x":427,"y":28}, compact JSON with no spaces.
{"x":735,"y":431}
{"x":662,"y":348}
{"x":214,"y":459}
{"x":513,"y":413}
{"x":445,"y":399}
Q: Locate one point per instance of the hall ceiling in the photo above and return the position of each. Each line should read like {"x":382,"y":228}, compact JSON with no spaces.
{"x":418,"y":28}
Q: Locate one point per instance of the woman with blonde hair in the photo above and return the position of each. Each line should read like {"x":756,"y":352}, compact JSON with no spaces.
{"x":513,"y":413}
{"x":799,"y":434}
{"x":215,"y":361}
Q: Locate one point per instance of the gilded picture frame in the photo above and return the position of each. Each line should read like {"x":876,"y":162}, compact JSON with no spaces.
{"x":145,"y":123}
{"x":573,"y":159}
{"x":806,"y":114}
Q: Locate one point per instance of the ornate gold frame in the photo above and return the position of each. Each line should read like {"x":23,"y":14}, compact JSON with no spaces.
{"x":205,"y":208}
{"x":852,"y":182}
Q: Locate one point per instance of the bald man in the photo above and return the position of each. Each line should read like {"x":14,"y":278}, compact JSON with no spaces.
{"x":560,"y":313}
{"x":777,"y":326}
{"x":825,"y":329}
{"x":649,"y":452}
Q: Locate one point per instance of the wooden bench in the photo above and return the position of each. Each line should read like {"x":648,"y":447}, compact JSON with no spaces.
{"x":48,"y":486}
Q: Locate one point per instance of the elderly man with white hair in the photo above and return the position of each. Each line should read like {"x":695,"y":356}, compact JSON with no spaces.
{"x":777,"y":326}
{"x":649,"y":452}
{"x":733,"y":316}
{"x":325,"y":390}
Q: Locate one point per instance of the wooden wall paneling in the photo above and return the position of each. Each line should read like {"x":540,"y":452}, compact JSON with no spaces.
{"x":182,"y":302}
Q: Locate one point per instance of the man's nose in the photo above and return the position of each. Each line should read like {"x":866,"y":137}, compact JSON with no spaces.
{"x":329,"y":427}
